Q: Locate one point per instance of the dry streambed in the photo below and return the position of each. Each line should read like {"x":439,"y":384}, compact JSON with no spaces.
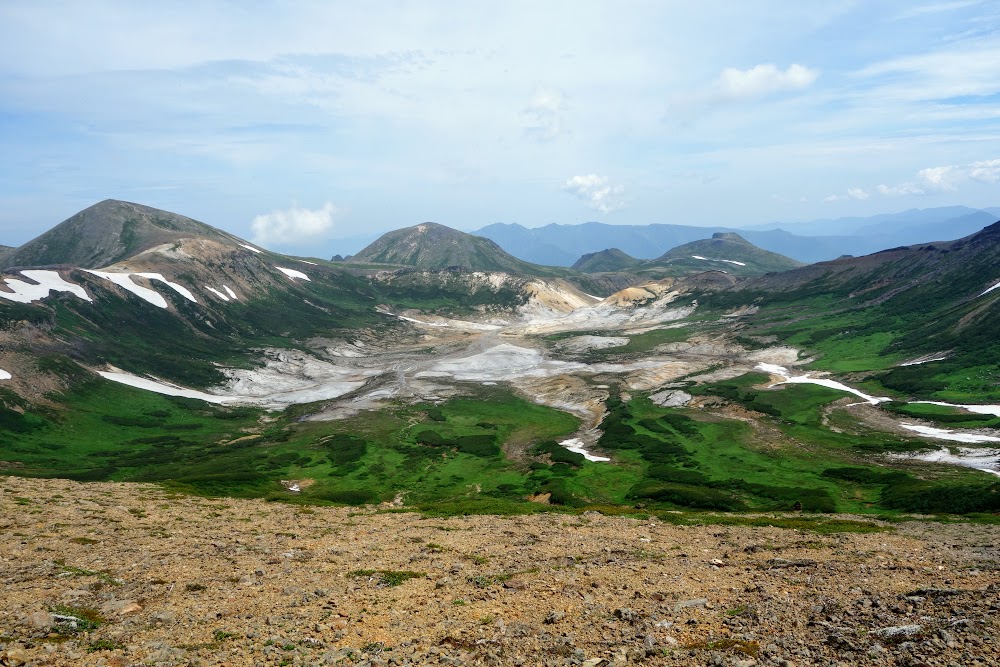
{"x":150,"y":578}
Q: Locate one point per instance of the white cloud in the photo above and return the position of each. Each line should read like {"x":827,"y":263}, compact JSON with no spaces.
{"x":941,"y":178}
{"x":736,"y":85}
{"x":987,"y":171}
{"x":945,"y":178}
{"x":857,"y":194}
{"x":762,"y":80}
{"x":948,"y":177}
{"x":292,"y":226}
{"x":901,"y":190}
{"x":596,"y":192}
{"x":542,"y":119}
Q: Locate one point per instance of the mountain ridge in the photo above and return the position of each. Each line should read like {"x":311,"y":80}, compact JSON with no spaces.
{"x":108,"y":232}
{"x":430,"y":245}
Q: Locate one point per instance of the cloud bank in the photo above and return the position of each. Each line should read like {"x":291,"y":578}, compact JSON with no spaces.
{"x":945,"y":178}
{"x":292,"y":226}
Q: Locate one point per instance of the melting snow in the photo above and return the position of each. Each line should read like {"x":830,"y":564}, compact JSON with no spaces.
{"x":978,"y":409}
{"x":426,"y":324}
{"x":292,"y":273}
{"x":986,"y":460}
{"x":231,"y":293}
{"x":217,"y":293}
{"x":305,"y":261}
{"x":250,"y":248}
{"x":180,"y":289}
{"x":990,"y":290}
{"x":781,"y":371}
{"x":163,"y":387}
{"x":946,"y":434}
{"x":709,"y":259}
{"x":577,"y":446}
{"x":4,"y":375}
{"x":125,"y":282}
{"x":48,"y":281}
{"x":917,"y":362}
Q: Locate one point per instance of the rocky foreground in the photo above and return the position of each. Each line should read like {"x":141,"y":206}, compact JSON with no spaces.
{"x":126,"y":574}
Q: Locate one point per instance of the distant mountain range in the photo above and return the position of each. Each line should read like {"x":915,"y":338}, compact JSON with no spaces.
{"x":815,"y":241}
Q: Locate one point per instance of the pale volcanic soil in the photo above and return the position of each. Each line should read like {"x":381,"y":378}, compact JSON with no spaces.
{"x":182,"y":580}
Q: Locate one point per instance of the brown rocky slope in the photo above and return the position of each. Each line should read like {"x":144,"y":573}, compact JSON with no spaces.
{"x":127,"y":574}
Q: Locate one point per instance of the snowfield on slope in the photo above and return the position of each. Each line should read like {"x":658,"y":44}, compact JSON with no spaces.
{"x":124,"y":280}
{"x":711,"y":259}
{"x":48,"y":281}
{"x":292,"y":273}
{"x":783,"y":372}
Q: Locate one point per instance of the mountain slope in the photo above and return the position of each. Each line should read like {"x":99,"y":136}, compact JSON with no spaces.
{"x":433,"y":246}
{"x":923,"y":317}
{"x":611,"y":259}
{"x":109,"y":232}
{"x":725,"y":251}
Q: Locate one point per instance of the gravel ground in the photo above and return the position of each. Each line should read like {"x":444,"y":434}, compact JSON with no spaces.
{"x":128,"y":574}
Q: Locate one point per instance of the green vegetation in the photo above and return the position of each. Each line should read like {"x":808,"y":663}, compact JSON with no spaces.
{"x":488,"y":453}
{"x":71,"y":620}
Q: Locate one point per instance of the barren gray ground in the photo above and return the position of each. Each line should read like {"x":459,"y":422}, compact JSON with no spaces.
{"x":181,"y":580}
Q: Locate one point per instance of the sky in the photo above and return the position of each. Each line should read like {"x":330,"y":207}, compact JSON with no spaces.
{"x":295,"y":124}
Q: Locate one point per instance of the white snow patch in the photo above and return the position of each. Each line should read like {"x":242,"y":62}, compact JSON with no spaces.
{"x":922,"y":360}
{"x":946,"y":434}
{"x":426,"y":324}
{"x":306,"y":261}
{"x":292,"y":273}
{"x":180,"y":289}
{"x":230,"y":292}
{"x":990,"y":290}
{"x":986,"y":460}
{"x":977,"y":409}
{"x":4,"y":375}
{"x":160,"y":387}
{"x":48,"y":281}
{"x":578,"y":446}
{"x":783,"y":372}
{"x":124,"y":281}
{"x":251,"y":248}
{"x":711,"y":259}
{"x":217,"y":293}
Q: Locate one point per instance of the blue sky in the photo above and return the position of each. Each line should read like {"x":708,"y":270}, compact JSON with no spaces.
{"x":296,"y":123}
